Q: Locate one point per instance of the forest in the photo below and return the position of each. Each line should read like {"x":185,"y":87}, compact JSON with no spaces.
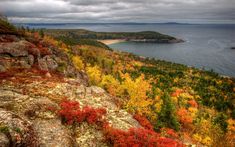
{"x":147,"y":36}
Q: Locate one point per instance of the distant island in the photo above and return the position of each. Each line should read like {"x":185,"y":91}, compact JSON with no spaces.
{"x":113,"y":37}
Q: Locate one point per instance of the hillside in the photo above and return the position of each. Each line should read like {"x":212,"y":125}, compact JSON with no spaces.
{"x":6,"y":28}
{"x":64,"y":92}
{"x":145,"y":36}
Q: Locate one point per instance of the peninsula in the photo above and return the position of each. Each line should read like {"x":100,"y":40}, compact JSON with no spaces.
{"x":113,"y":37}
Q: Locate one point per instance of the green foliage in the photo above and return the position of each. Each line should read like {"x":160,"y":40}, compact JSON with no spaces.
{"x":61,"y":66}
{"x":85,"y":34}
{"x":4,"y":129}
{"x":41,"y":33}
{"x":78,"y":41}
{"x":166,"y":117}
{"x":221,"y":120}
{"x":18,"y":130}
{"x":7,"y":28}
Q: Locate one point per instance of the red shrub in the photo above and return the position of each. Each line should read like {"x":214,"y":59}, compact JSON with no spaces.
{"x":135,"y":137}
{"x":44,"y":51}
{"x":93,"y":115}
{"x":138,"y":137}
{"x":169,"y":132}
{"x":144,"y":122}
{"x":71,"y":113}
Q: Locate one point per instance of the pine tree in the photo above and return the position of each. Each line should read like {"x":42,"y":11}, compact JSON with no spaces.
{"x":41,"y":33}
{"x":166,"y":117}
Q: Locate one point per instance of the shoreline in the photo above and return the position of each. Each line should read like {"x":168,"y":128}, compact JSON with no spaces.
{"x":111,"y":41}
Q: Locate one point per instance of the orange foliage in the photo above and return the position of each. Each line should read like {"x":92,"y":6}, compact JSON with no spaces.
{"x":177,"y":92}
{"x":193,"y":103}
{"x":184,"y":116}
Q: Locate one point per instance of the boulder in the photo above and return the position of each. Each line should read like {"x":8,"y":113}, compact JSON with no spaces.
{"x":18,"y":130}
{"x":4,"y":141}
{"x":2,"y":68}
{"x":52,"y":133}
{"x":51,"y":63}
{"x":15,"y":49}
{"x":42,"y":64}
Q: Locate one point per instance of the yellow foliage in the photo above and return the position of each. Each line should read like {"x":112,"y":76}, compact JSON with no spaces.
{"x":207,"y":141}
{"x":174,"y":99}
{"x":136,"y":90}
{"x":231,"y":125}
{"x":50,"y":40}
{"x":137,"y":63}
{"x":64,"y":47}
{"x":186,"y":95}
{"x":111,"y":84}
{"x":94,"y":74}
{"x":197,"y":137}
{"x":193,"y":111}
{"x":158,"y":103}
{"x":77,"y":61}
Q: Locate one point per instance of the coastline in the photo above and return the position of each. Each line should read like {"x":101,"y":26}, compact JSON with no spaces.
{"x":111,"y":41}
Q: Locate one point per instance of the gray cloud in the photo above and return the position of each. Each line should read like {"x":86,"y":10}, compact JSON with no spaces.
{"x":199,"y":11}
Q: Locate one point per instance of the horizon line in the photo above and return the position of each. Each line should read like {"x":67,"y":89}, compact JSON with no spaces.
{"x":62,"y":23}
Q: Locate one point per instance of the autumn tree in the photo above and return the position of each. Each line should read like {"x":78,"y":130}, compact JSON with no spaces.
{"x":137,"y":90}
{"x":77,"y":61}
{"x":94,"y":74}
{"x":111,"y":84}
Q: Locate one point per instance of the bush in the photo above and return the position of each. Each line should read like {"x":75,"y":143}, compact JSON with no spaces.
{"x":72,"y":113}
{"x":144,"y":122}
{"x":78,"y":62}
{"x":138,"y":137}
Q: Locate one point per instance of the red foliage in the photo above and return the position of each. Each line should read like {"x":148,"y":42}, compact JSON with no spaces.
{"x":93,"y":115}
{"x":134,"y":137}
{"x":51,"y":108}
{"x":138,"y":137}
{"x":71,"y":113}
{"x":36,"y":35}
{"x":44,"y":51}
{"x":144,"y":122}
{"x":5,"y":75}
{"x":10,"y":73}
{"x":193,"y":103}
{"x":169,"y":132}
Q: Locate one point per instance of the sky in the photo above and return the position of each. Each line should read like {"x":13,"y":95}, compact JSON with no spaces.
{"x":118,"y":11}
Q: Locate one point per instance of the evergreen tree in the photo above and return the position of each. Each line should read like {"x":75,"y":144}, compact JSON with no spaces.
{"x":27,"y":29}
{"x":33,"y":30}
{"x":166,"y":117}
{"x":41,"y":33}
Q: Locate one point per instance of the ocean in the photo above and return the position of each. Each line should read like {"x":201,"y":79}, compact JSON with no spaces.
{"x":206,"y":46}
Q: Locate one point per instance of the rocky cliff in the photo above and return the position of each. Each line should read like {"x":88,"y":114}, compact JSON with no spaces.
{"x":33,"y":78}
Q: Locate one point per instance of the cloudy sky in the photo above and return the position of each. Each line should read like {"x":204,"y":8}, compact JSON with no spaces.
{"x":86,"y":11}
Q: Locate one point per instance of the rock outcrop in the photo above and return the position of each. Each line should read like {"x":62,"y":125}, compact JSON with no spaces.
{"x":27,"y":93}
